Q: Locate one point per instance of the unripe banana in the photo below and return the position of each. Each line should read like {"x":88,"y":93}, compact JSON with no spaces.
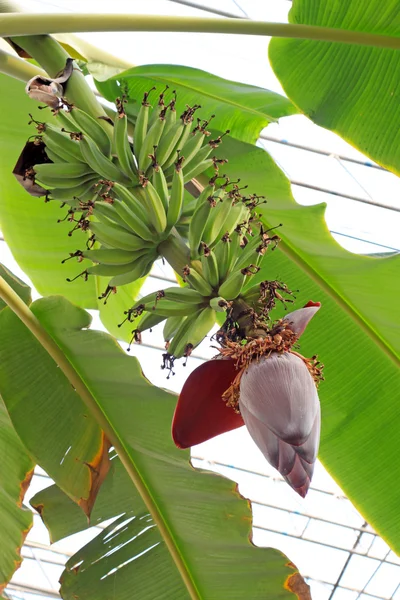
{"x":193,"y":146}
{"x":161,"y":186}
{"x":155,"y":208}
{"x":219,"y":304}
{"x":106,"y":213}
{"x":232,"y":286}
{"x":122,"y":147}
{"x":235,"y":216}
{"x":61,"y":143}
{"x":197,"y":224}
{"x":178,"y":344}
{"x":109,"y":256}
{"x":248,"y":254}
{"x":134,"y":222}
{"x":54,"y":157}
{"x":115,"y":236}
{"x":166,"y":149}
{"x":210,"y":268}
{"x":86,"y":124}
{"x":197,"y":281}
{"x":133,"y":198}
{"x":183,"y":295}
{"x":191,"y":173}
{"x":63,"y":182}
{"x":141,"y":267}
{"x":148,"y":320}
{"x":63,"y":170}
{"x":141,"y":125}
{"x":79,"y":192}
{"x":176,"y":197}
{"x":171,"y":326}
{"x":152,"y":138}
{"x":222,"y":253}
{"x":169,"y":309}
{"x":215,"y":224}
{"x":113,"y":270}
{"x":100,"y":163}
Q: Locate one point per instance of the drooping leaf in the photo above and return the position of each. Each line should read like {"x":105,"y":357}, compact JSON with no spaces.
{"x":352,"y":90}
{"x":23,"y":290}
{"x":15,"y":473}
{"x":243,"y":109}
{"x":48,"y":415}
{"x":355,"y":334}
{"x":202,"y":519}
{"x":15,"y":476}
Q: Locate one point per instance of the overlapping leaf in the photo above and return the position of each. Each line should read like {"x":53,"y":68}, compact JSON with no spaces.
{"x":243,"y":109}
{"x":352,"y":90}
{"x":15,"y":475}
{"x":355,"y":334}
{"x":206,"y":522}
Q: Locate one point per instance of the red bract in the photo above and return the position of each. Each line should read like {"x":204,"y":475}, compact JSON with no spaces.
{"x":278,"y":403}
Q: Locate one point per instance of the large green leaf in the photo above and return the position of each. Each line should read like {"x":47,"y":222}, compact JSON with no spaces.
{"x":204,"y":522}
{"x":355,"y":334}
{"x":48,"y":415}
{"x":15,"y":475}
{"x":244,"y":109}
{"x":350,"y":89}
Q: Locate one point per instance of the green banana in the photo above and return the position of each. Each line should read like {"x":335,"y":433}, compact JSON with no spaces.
{"x":141,"y":267}
{"x":222,"y":253}
{"x":155,"y":207}
{"x":133,"y":200}
{"x":235,"y":216}
{"x":123,"y":148}
{"x":64,"y":183}
{"x":62,"y":144}
{"x":197,"y":281}
{"x":170,"y":117}
{"x":161,"y":186}
{"x":183,"y":295}
{"x":215,"y":224}
{"x":219,"y":304}
{"x":172,"y":309}
{"x":54,"y":157}
{"x":168,"y":142}
{"x":232,"y":286}
{"x":191,"y":333}
{"x":115,"y":236}
{"x":100,"y":163}
{"x":152,"y":138}
{"x":193,"y":146}
{"x":171,"y":326}
{"x":176,"y":197}
{"x":141,"y":124}
{"x":197,"y":224}
{"x":210,"y":268}
{"x":109,"y":256}
{"x":191,"y":173}
{"x":63,"y":170}
{"x":79,"y":120}
{"x":185,"y":126}
{"x":148,"y":321}
{"x":249,"y":253}
{"x":115,"y":270}
{"x":79,"y":192}
{"x":134,"y":222}
{"x":106,"y":213}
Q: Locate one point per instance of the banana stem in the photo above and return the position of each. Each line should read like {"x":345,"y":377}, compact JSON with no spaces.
{"x":18,"y":67}
{"x":175,"y":251}
{"x":24,"y":313}
{"x":36,"y":24}
{"x":52,"y":56}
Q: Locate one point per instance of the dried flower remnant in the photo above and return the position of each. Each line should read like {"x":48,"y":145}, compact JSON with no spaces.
{"x":47,"y":90}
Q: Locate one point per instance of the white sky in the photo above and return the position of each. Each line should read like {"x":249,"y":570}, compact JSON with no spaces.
{"x":245,"y":59}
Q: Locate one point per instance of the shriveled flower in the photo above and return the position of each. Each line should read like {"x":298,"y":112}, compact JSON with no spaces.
{"x":47,"y":90}
{"x":271,"y":390}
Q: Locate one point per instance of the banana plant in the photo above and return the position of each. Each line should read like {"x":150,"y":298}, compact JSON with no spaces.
{"x":161,"y":177}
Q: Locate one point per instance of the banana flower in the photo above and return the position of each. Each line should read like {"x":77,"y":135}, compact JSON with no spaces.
{"x":277,"y":401}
